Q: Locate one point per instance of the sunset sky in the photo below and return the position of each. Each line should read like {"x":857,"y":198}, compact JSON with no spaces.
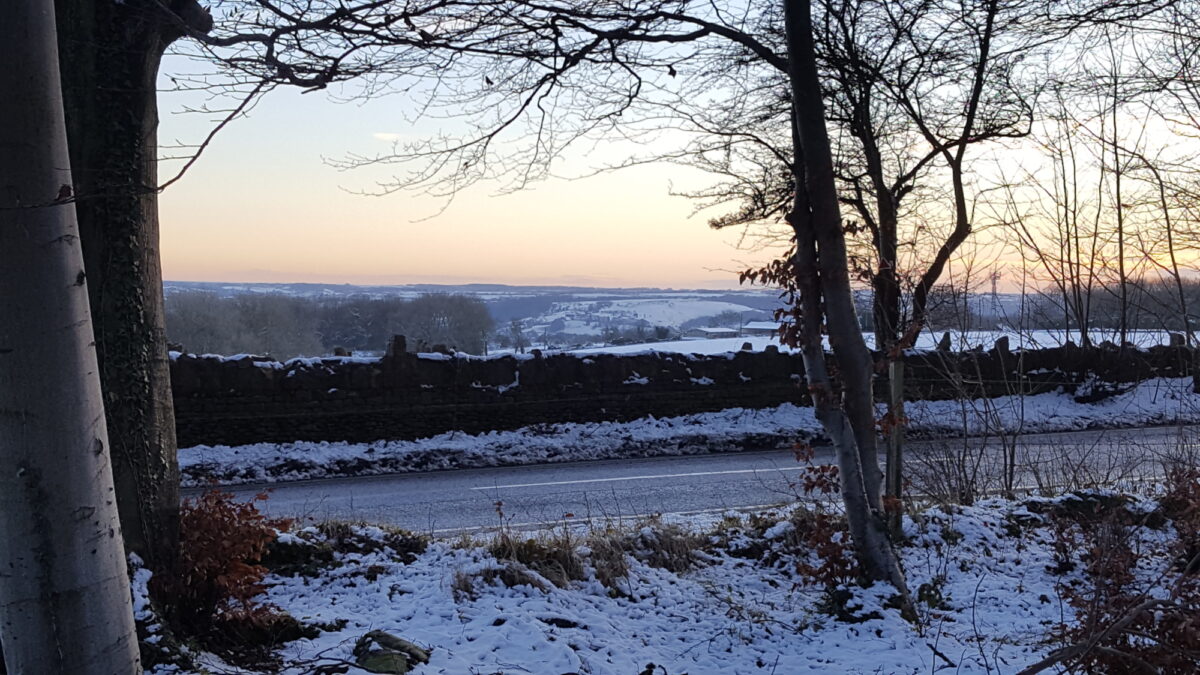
{"x":263,"y":205}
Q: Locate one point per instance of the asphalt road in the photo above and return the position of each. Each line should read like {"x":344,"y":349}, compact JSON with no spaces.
{"x":445,"y":502}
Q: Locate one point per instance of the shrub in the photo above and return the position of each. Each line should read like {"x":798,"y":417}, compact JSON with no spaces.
{"x":1181,"y":504}
{"x":827,"y":535}
{"x":1129,"y":620}
{"x":214,"y":591}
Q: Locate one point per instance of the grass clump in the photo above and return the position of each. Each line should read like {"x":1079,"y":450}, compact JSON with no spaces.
{"x":560,"y":557}
{"x":312,"y":550}
{"x":511,"y":575}
{"x":553,"y":556}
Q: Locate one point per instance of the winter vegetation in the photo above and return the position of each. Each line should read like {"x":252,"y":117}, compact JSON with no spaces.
{"x":1093,"y":579}
{"x":897,"y":162}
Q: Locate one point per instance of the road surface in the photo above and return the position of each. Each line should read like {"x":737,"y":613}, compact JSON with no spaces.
{"x":446,"y":502}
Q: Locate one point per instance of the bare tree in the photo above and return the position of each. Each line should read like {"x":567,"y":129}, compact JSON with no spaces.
{"x":64,"y":590}
{"x":577,"y":70}
{"x":949,"y":71}
{"x":449,"y":319}
{"x":917,"y":90}
{"x":517,"y":336}
{"x":822,"y":275}
{"x":1055,"y":212}
{"x":1101,"y":211}
{"x":1161,"y":246}
{"x":199,"y":321}
{"x":912,"y":87}
{"x":275,"y":325}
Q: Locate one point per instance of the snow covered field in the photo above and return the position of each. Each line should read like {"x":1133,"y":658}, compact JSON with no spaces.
{"x":699,"y":346}
{"x":593,"y":315}
{"x":1035,"y":339}
{"x":704,"y":596}
{"x":1159,"y":401}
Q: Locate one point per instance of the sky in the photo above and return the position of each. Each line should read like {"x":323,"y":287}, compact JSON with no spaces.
{"x":263,"y":204}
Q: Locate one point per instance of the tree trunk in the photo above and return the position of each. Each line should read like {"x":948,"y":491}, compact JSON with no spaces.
{"x":823,"y":280}
{"x":888,"y":339}
{"x":1118,"y":171}
{"x":110,"y":55}
{"x":64,"y":592}
{"x":895,"y":444}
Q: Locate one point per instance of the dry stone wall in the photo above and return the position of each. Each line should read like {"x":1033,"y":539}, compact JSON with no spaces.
{"x":247,"y":399}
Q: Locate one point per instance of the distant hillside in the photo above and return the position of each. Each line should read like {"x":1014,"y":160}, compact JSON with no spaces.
{"x":555,"y":317}
{"x":554,"y":310}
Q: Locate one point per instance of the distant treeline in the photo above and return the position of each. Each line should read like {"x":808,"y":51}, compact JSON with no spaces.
{"x":284,"y":326}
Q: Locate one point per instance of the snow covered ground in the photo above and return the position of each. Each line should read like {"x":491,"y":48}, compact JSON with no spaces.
{"x":1032,"y":339}
{"x":663,"y":311}
{"x":1158,"y":401}
{"x":698,"y":346}
{"x":703,"y":596}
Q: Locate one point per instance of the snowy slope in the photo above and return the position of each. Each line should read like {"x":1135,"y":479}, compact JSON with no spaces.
{"x":672,"y":312}
{"x":740,"y":608}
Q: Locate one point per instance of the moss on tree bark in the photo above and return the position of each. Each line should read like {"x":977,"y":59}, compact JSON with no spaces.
{"x":110,"y":54}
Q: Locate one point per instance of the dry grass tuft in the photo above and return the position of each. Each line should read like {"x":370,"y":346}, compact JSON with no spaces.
{"x":608,"y":556}
{"x":668,"y":547}
{"x":553,"y":555}
{"x":464,"y":585}
{"x":563,"y":556}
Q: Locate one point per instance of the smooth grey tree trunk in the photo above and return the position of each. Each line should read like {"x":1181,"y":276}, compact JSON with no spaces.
{"x":823,"y":280}
{"x":64,"y":591}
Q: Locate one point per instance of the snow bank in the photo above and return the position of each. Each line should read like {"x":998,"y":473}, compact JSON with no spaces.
{"x":724,"y":431}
